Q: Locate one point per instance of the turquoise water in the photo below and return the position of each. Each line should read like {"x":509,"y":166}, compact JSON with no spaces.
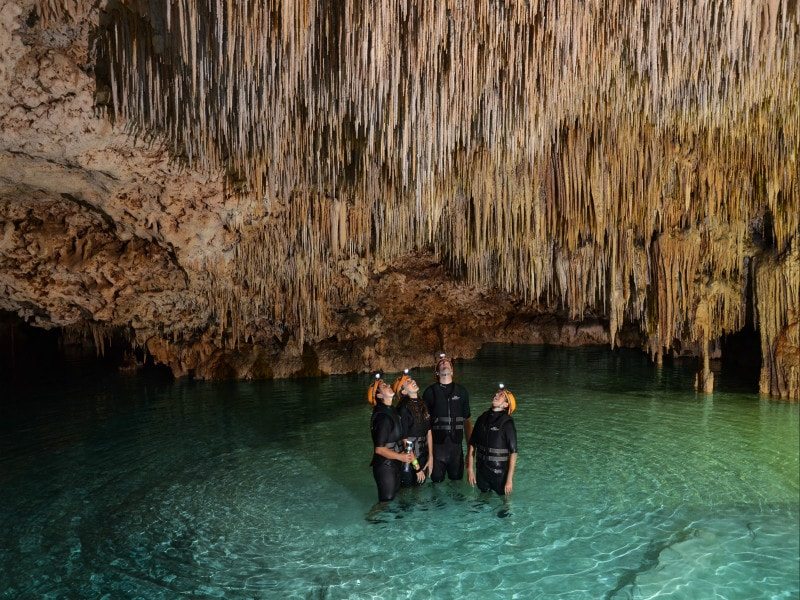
{"x":628,"y":486}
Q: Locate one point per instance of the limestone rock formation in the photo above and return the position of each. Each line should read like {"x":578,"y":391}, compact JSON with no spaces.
{"x":273,"y":188}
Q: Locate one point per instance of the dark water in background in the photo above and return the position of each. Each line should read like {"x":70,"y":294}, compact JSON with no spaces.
{"x":629,"y":485}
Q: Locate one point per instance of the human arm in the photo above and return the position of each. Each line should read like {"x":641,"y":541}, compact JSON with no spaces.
{"x":429,"y":465}
{"x":470,"y":465}
{"x":512,"y":463}
{"x":427,"y":398}
{"x":406,"y":418}
{"x":383,"y":434}
{"x":511,"y":441}
{"x":467,"y":414}
{"x":471,"y":441}
{"x":406,"y":457}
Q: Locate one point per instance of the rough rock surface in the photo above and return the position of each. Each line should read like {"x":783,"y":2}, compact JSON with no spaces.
{"x":104,"y":227}
{"x":97,"y":226}
{"x":414,"y":308}
{"x":102,"y":230}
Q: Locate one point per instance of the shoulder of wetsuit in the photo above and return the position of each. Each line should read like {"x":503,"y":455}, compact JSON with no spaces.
{"x":381,"y":409}
{"x":481,"y":426}
{"x":422,"y":402}
{"x":503,"y":420}
{"x":446,"y":390}
{"x":388,"y":412}
{"x":491,"y":418}
{"x":393,"y":413}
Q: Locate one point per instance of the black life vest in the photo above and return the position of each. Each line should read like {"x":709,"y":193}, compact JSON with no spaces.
{"x":396,"y":435}
{"x":418,"y":432}
{"x":490,"y":444}
{"x":447,"y":418}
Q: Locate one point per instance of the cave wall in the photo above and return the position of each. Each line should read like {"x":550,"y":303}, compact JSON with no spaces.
{"x":285,"y":187}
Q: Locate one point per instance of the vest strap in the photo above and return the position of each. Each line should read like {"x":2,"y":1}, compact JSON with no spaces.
{"x":492,"y":454}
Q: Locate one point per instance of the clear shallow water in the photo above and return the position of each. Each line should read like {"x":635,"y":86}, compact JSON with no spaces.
{"x":628,"y":486}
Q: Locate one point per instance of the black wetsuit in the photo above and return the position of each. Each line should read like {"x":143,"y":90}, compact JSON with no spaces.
{"x":416,"y":424}
{"x":495,"y":440}
{"x":386,"y":432}
{"x":448,"y":405}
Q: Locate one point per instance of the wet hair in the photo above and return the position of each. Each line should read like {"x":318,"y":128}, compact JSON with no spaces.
{"x":398,"y":384}
{"x":418,"y":409}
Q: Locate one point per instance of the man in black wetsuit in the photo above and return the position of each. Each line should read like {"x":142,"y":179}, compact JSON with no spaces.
{"x":448,"y":405}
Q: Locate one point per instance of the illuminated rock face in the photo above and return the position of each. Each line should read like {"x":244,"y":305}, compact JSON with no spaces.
{"x":264,"y":189}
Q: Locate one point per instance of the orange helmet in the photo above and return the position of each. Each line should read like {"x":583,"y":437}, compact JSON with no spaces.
{"x":401,"y":381}
{"x":510,"y":398}
{"x":372,"y":390}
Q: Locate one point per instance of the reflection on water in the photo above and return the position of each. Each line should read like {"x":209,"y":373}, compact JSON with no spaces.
{"x":629,"y":486}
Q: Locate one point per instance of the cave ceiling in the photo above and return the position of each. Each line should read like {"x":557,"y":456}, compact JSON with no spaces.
{"x":263,"y":170}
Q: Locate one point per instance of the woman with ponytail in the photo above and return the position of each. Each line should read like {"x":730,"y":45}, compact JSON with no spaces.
{"x":416,"y":422}
{"x":387,"y":436}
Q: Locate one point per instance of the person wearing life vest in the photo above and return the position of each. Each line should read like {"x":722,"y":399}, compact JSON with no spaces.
{"x":387,"y":437}
{"x":416,"y":423}
{"x":493,"y":445}
{"x":448,"y":405}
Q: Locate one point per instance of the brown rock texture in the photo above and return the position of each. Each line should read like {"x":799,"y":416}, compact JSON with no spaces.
{"x":98,"y":228}
{"x":288,"y":188}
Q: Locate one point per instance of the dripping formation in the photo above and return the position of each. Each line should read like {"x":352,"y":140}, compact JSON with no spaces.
{"x":602,"y":158}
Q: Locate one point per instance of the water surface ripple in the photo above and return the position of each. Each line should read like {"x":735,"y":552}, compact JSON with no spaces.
{"x":629,"y":485}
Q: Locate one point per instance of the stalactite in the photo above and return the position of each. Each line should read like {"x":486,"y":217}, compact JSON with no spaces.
{"x":55,"y":11}
{"x":777,"y":302}
{"x":99,"y":334}
{"x":598,"y":157}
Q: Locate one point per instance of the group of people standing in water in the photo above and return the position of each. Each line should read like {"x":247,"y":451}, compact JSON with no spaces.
{"x":422,"y":438}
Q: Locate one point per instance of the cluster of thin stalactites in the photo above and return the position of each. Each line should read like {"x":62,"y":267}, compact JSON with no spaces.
{"x":598,"y":155}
